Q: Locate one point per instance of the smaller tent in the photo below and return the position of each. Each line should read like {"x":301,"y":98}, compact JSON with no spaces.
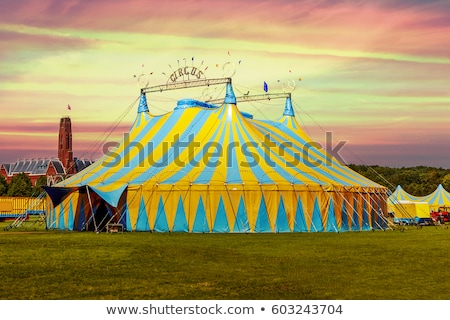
{"x":401,"y":195}
{"x":438,"y":198}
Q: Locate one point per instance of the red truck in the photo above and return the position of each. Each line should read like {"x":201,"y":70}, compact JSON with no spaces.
{"x":441,"y":215}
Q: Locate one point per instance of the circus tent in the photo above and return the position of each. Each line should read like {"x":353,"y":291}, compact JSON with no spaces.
{"x":438,"y":198}
{"x":209,"y":168}
{"x":401,"y":195}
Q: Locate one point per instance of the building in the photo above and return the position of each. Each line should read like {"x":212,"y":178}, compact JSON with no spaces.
{"x":55,"y":169}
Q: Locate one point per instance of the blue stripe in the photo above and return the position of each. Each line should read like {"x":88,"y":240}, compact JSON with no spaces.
{"x":221,"y":221}
{"x":200,"y":222}
{"x":297,"y":169}
{"x":344,"y":215}
{"x":259,"y":173}
{"x":81,"y":217}
{"x":314,"y":154}
{"x":133,"y":163}
{"x":161,"y":224}
{"x":142,"y":219}
{"x":241,"y":222}
{"x":300,"y":221}
{"x":168,"y":157}
{"x":280,"y":170}
{"x":331,"y":221}
{"x":233,"y":172}
{"x":206,"y":175}
{"x":316,"y":220}
{"x":365,"y":222}
{"x":180,"y":224}
{"x":61,"y":225}
{"x":70,"y":217}
{"x":282,"y":224}
{"x":262,"y":221}
{"x":355,"y":217}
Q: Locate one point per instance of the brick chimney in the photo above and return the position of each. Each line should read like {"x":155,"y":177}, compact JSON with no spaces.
{"x":65,"y":153}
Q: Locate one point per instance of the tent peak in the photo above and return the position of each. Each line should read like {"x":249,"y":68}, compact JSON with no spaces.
{"x":288,"y":110}
{"x":143,"y":107}
{"x":230,"y":98}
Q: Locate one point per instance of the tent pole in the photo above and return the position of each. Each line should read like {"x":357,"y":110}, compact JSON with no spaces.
{"x":246,"y":212}
{"x":208,"y":208}
{"x":92,"y":209}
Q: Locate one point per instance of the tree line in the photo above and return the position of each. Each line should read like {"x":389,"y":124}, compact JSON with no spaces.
{"x":21,"y":186}
{"x":417,"y":181}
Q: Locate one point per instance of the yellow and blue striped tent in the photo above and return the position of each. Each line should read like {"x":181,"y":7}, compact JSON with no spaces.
{"x":210,"y":168}
{"x":438,"y":198}
{"x":401,"y":195}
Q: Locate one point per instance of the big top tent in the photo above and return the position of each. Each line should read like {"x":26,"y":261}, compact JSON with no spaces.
{"x":208,"y":168}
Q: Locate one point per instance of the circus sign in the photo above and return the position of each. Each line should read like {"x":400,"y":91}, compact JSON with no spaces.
{"x":193,"y":72}
{"x":186,"y":72}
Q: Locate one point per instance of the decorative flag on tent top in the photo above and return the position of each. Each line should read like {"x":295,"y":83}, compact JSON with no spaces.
{"x":266,"y":87}
{"x":69,"y":107}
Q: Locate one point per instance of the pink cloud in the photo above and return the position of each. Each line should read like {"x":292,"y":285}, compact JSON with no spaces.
{"x":395,"y":28}
{"x":22,"y":41}
{"x":319,"y":24}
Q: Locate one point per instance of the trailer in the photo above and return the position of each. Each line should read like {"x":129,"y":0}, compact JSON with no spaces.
{"x":411,"y":213}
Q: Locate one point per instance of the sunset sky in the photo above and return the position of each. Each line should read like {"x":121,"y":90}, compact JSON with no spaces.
{"x":374,"y":73}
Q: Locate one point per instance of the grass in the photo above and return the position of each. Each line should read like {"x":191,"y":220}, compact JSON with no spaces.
{"x":411,"y":264}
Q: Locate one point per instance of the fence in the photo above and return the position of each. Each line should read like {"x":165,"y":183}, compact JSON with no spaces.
{"x":13,"y":207}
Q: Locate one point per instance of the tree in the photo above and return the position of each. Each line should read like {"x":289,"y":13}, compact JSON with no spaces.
{"x":3,"y":186}
{"x":418,"y":181}
{"x":446,"y":182}
{"x":20,"y":186}
{"x":37,"y":189}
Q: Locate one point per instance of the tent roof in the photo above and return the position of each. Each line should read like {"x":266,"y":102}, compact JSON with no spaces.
{"x":216,"y":145}
{"x":439,"y":197}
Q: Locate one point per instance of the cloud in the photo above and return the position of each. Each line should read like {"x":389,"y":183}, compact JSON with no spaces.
{"x":378,"y":69}
{"x":20,"y":37}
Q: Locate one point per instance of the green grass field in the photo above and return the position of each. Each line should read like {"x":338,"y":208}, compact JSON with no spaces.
{"x":395,"y":265}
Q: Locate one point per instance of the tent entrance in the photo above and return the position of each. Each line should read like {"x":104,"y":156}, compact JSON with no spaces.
{"x":101,"y":217}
